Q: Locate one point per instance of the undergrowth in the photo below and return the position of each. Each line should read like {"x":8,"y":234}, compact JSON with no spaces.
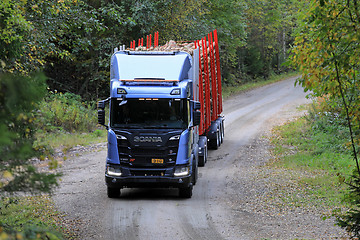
{"x":66,"y":112}
{"x":230,"y":90}
{"x":65,"y":120}
{"x":30,"y":218}
{"x":316,"y":144}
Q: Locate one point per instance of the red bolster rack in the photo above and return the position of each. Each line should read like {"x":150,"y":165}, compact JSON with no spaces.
{"x":213,"y":79}
{"x":218,"y":72}
{"x":201,"y":91}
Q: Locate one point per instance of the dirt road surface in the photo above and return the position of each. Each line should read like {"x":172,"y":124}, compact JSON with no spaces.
{"x":227,"y":199}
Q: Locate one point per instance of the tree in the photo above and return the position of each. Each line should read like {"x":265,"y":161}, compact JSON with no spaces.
{"x":18,"y":98}
{"x":270,"y":24}
{"x":13,"y":26}
{"x":229,"y":18}
{"x":327,"y":53}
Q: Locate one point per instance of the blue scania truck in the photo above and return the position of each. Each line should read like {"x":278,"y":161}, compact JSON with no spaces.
{"x":162,"y":117}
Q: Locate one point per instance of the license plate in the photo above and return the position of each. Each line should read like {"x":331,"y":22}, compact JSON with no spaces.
{"x":157,"y":160}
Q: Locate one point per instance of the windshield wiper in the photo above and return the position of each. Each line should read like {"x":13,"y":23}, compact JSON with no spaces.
{"x":129,"y":126}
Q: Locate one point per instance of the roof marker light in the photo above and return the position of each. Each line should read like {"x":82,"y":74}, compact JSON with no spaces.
{"x":175,"y":91}
{"x":121,"y":91}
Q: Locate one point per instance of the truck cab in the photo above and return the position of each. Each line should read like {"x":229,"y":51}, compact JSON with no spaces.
{"x":152,"y":121}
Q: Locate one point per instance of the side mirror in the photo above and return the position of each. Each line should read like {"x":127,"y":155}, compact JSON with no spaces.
{"x":197,"y":105}
{"x":101,"y":117}
{"x":101,"y":104}
{"x":197,"y":118}
{"x":101,"y":112}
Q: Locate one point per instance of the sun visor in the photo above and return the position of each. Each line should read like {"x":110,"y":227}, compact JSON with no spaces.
{"x":150,"y":66}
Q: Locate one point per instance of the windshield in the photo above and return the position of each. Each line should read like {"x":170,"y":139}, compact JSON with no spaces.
{"x":148,"y":113}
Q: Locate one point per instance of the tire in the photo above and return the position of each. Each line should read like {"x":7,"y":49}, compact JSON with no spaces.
{"x":203,"y":159}
{"x":206,"y":154}
{"x":195,"y":175}
{"x":186,"y":192}
{"x":113,"y":192}
{"x":214,"y":143}
{"x":222,"y":134}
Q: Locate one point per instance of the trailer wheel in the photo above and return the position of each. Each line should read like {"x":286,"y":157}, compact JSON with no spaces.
{"x":186,"y":192}
{"x":215,"y":143}
{"x":203,"y":159}
{"x":195,"y":174}
{"x":222,"y":129}
{"x":113,"y":192}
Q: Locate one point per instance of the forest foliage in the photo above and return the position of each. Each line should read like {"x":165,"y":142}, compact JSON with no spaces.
{"x":327,"y":52}
{"x":72,"y":40}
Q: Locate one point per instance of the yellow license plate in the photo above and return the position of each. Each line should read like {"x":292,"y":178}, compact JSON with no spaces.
{"x":157,"y":160}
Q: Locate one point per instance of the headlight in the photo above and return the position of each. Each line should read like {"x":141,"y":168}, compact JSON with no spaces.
{"x":182,"y":171}
{"x":177,"y":137}
{"x":113,"y":171}
{"x":121,"y":137}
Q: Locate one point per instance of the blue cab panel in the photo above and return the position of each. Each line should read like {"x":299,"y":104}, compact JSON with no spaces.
{"x":134,"y":65}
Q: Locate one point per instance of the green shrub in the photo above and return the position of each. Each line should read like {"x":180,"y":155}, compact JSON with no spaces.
{"x":315,"y":149}
{"x":19,"y":96}
{"x":29,"y":218}
{"x":66,"y":111}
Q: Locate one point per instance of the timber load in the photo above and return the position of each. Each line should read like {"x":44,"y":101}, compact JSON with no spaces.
{"x":210,"y":93}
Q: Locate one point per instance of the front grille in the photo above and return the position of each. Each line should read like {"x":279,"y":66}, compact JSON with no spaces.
{"x":136,"y":156}
{"x":144,"y":173}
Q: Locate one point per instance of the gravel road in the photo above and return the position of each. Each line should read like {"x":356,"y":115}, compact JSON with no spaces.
{"x":228,"y":199}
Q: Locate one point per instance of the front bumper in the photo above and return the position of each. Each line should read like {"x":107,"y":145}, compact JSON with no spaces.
{"x":147,"y":177}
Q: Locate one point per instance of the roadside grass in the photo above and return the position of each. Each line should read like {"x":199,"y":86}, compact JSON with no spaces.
{"x":64,"y":120}
{"x":313,"y":150}
{"x":31,"y":217}
{"x":68,"y":140}
{"x":228,"y":91}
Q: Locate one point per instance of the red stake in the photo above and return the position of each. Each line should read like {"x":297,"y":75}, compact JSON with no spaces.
{"x":156,"y":37}
{"x":150,"y":41}
{"x":213,"y":79}
{"x":142,"y":41}
{"x":207,"y":84}
{"x":218,"y":72}
{"x":201,"y":91}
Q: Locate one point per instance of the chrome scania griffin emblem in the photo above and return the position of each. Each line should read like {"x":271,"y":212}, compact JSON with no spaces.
{"x":147,"y":139}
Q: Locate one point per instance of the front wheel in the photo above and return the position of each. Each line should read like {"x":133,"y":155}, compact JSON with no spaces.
{"x":186,"y":192}
{"x":113,"y":192}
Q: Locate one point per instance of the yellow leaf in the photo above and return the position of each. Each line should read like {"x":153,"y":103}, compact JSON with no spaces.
{"x":7,"y":175}
{"x":19,"y":236}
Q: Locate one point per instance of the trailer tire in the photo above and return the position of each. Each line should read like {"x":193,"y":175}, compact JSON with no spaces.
{"x":203,"y":159}
{"x":222,"y":130}
{"x":186,"y":192}
{"x":215,"y":143}
{"x":195,"y":175}
{"x":113,"y":192}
